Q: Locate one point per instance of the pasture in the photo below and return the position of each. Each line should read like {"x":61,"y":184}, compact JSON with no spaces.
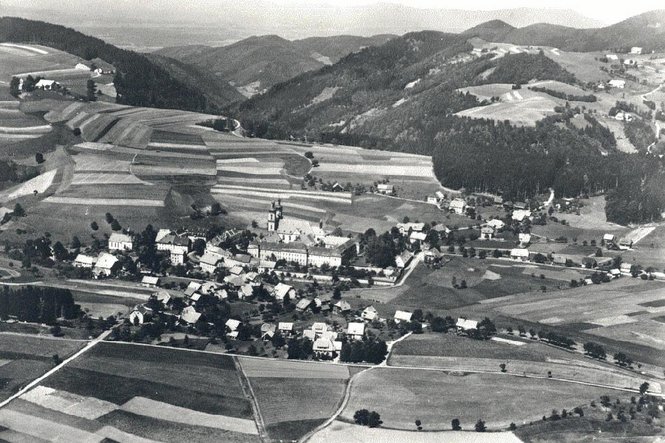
{"x":436,"y":397}
{"x":294,"y":397}
{"x":133,"y":393}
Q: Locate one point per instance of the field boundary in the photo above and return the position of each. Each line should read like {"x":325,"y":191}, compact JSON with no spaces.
{"x":247,"y":389}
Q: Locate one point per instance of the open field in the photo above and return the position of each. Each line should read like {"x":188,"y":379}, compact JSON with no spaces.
{"x":436,"y":398}
{"x":136,"y":392}
{"x":37,"y":185}
{"x":294,"y":397}
{"x":27,"y":357}
{"x":521,"y":111}
{"x":343,"y":432}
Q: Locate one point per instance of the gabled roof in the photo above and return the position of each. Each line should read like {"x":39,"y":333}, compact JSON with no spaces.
{"x":210,"y":259}
{"x":519,"y":252}
{"x":323,"y":345}
{"x":465,"y":324}
{"x":120,"y":238}
{"x":343,"y":305}
{"x":161,"y":234}
{"x":190,"y":315}
{"x":85,"y":259}
{"x":150,"y":280}
{"x":192,"y":287}
{"x":285,"y":326}
{"x":403,"y":315}
{"x":234,"y":280}
{"x":303,"y":303}
{"x":232,"y":324}
{"x":105,"y":261}
{"x":319,"y":327}
{"x":247,"y":290}
{"x":355,"y":328}
{"x":308,"y":333}
{"x":236,"y":270}
{"x":268,"y":327}
{"x":281,"y":290}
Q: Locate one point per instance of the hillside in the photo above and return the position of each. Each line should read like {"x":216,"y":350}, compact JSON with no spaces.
{"x":217,"y":91}
{"x":138,"y":81}
{"x":645,"y":30}
{"x":256,"y":63}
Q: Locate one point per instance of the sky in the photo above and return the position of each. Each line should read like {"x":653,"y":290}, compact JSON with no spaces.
{"x":608,"y":12}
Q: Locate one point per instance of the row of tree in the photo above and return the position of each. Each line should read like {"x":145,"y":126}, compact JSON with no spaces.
{"x":38,"y":304}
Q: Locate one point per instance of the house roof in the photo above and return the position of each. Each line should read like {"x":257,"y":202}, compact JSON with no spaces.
{"x":324,"y":345}
{"x":247,"y":290}
{"x":609,"y":237}
{"x":195,"y":296}
{"x":521,"y":214}
{"x":232,"y":324}
{"x":192,"y":287}
{"x":268,"y":327}
{"x":105,"y":261}
{"x":86,"y":259}
{"x":175,"y":240}
{"x":403,"y":315}
{"x":308,"y":333}
{"x":190,"y":315}
{"x":236,"y":270}
{"x":120,"y":238}
{"x":319,"y":327}
{"x":281,"y":290}
{"x":496,"y":223}
{"x":466,"y":324}
{"x":519,"y":252}
{"x":458,"y":203}
{"x":343,"y":305}
{"x":210,"y":259}
{"x":355,"y":328}
{"x":303,"y":303}
{"x":163,"y":296}
{"x":161,"y":234}
{"x":324,"y":252}
{"x":267,"y":264}
{"x":421,"y":236}
{"x":150,"y":280}
{"x":285,"y":326}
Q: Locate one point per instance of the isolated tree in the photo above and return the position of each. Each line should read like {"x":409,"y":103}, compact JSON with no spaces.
{"x":512,"y":426}
{"x":361,"y":417}
{"x":374,"y":419}
{"x":480,"y":426}
{"x":644,"y":387}
{"x":76,"y":243}
{"x":503,"y":367}
{"x":94,"y":226}
{"x":455,"y":424}
{"x":39,"y":158}
{"x":56,"y":359}
{"x":18,"y":210}
{"x":115,"y":225}
{"x":14,"y":84}
{"x":309,"y":155}
{"x":418,"y":425}
{"x":109,"y":218}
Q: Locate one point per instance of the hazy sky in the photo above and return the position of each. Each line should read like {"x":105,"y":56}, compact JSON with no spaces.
{"x":609,"y":11}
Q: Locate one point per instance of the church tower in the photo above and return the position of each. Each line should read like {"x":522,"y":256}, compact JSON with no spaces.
{"x":273,"y":219}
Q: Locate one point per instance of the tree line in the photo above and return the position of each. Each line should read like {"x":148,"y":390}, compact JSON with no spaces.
{"x":38,"y":304}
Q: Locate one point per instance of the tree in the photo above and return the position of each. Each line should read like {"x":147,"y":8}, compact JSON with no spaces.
{"x":455,"y":424}
{"x":374,"y":419}
{"x":418,"y":425}
{"x":14,"y":86}
{"x":109,"y":218}
{"x":309,"y":155}
{"x":644,"y":387}
{"x":115,"y":225}
{"x":512,"y":427}
{"x":55,"y":358}
{"x":480,"y":426}
{"x":18,"y":210}
{"x":199,"y":246}
{"x":503,"y":367}
{"x":361,"y":417}
{"x":94,"y":226}
{"x":91,"y":90}
{"x":39,"y":158}
{"x":594,"y":350}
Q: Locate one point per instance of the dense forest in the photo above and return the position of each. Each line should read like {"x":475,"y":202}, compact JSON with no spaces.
{"x":38,"y":304}
{"x":139,"y":82}
{"x":522,"y":68}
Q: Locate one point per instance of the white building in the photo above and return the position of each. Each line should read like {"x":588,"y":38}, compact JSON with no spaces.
{"x":458,"y":206}
{"x":120,"y":242}
{"x":401,"y":316}
{"x":209,"y":262}
{"x":281,"y":290}
{"x":617,"y":83}
{"x":636,"y":50}
{"x":150,"y":281}
{"x":369,"y":313}
{"x":385,"y":188}
{"x":84,"y":261}
{"x":355,"y":330}
{"x":47,"y":85}
{"x":521,"y":214}
{"x":104,"y":265}
{"x":519,"y":254}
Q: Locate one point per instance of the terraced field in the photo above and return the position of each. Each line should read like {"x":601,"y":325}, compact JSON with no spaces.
{"x":134,"y":393}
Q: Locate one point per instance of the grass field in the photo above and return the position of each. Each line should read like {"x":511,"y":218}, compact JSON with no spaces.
{"x":130,"y":392}
{"x":294,"y":397}
{"x":401,"y":396}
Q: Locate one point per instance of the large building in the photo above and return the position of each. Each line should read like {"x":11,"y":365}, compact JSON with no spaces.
{"x":302,"y":254}
{"x":120,"y":242}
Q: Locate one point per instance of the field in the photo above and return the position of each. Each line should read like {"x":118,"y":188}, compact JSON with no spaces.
{"x":401,"y":396}
{"x":341,"y":431}
{"x":24,"y":358}
{"x":294,"y":397}
{"x":137,"y":393}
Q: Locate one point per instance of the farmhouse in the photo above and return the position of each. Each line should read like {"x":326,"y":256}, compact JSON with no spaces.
{"x":355,"y":330}
{"x":324,"y":347}
{"x":342,"y":306}
{"x":417,"y":237}
{"x":105,"y":264}
{"x":404,"y":228}
{"x":458,"y":206}
{"x":385,"y":188}
{"x":189,"y":315}
{"x":609,"y":240}
{"x":163,"y":297}
{"x":232,"y":324}
{"x":150,"y":282}
{"x":47,"y":85}
{"x":496,"y":224}
{"x":369,"y":313}
{"x":303,"y":304}
{"x":403,"y":259}
{"x":268,"y":331}
{"x":120,"y":242}
{"x":617,"y":83}
{"x":84,"y":261}
{"x":625,"y":244}
{"x":177,"y":257}
{"x":281,"y":290}
{"x":624,"y":116}
{"x":432,"y":200}
{"x":246,"y":291}
{"x":285,"y":328}
{"x":192,"y":287}
{"x":82,"y":67}
{"x":524,"y":239}
{"x":464,"y":325}
{"x":173,"y":243}
{"x":209,"y":262}
{"x":401,"y":316}
{"x":636,"y":50}
{"x":486,"y":233}
{"x":521,"y":214}
{"x":519,"y":254}
{"x":612,"y":57}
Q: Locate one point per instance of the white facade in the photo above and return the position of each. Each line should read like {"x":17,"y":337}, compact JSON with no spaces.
{"x":120,"y":242}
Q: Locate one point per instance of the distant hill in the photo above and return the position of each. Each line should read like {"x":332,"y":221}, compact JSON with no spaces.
{"x":256,"y":63}
{"x":138,"y":81}
{"x":645,"y":30}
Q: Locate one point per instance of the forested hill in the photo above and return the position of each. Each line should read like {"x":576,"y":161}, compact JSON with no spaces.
{"x":645,"y":30}
{"x":139,"y":82}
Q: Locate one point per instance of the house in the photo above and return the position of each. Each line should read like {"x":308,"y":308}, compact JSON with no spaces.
{"x":245,"y":292}
{"x":235,"y":281}
{"x":319,"y":328}
{"x":236,"y":270}
{"x":609,"y":240}
{"x":519,"y":254}
{"x":281,"y":290}
{"x":173,"y":243}
{"x":612,"y":57}
{"x":82,"y":67}
{"x":47,"y":85}
{"x":233,"y":324}
{"x":417,"y":237}
{"x":285,"y":328}
{"x":624,"y":116}
{"x":458,"y":206}
{"x":464,"y":325}
{"x":318,"y":257}
{"x":195,"y":297}
{"x":268,"y":331}
{"x":369,"y":313}
{"x":303,"y":304}
{"x":120,"y":242}
{"x":324,"y":347}
{"x":636,"y":50}
{"x":84,"y":261}
{"x":209,"y":262}
{"x":615,"y":273}
{"x":524,"y":238}
{"x":342,"y":306}
{"x":290,"y":252}
{"x":177,"y":257}
{"x":336,"y":187}
{"x":520,"y":205}
{"x":161,"y":234}
{"x":617,"y":83}
{"x":431,"y":256}
{"x":385,"y":188}
{"x":432,"y":200}
{"x":309,"y":334}
{"x":625,"y":244}
{"x":192,"y":287}
{"x":404,"y":228}
{"x":104,"y":265}
{"x":139,"y":315}
{"x":440,"y":195}
{"x":401,"y":316}
{"x":589,"y":262}
{"x":189,"y":315}
{"x":496,"y":224}
{"x":625,"y":268}
{"x":487,"y":233}
{"x":355,"y":330}
{"x":403,"y":259}
{"x":163,"y":296}
{"x":150,"y":282}
{"x":266,"y":265}
{"x":520,"y":214}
